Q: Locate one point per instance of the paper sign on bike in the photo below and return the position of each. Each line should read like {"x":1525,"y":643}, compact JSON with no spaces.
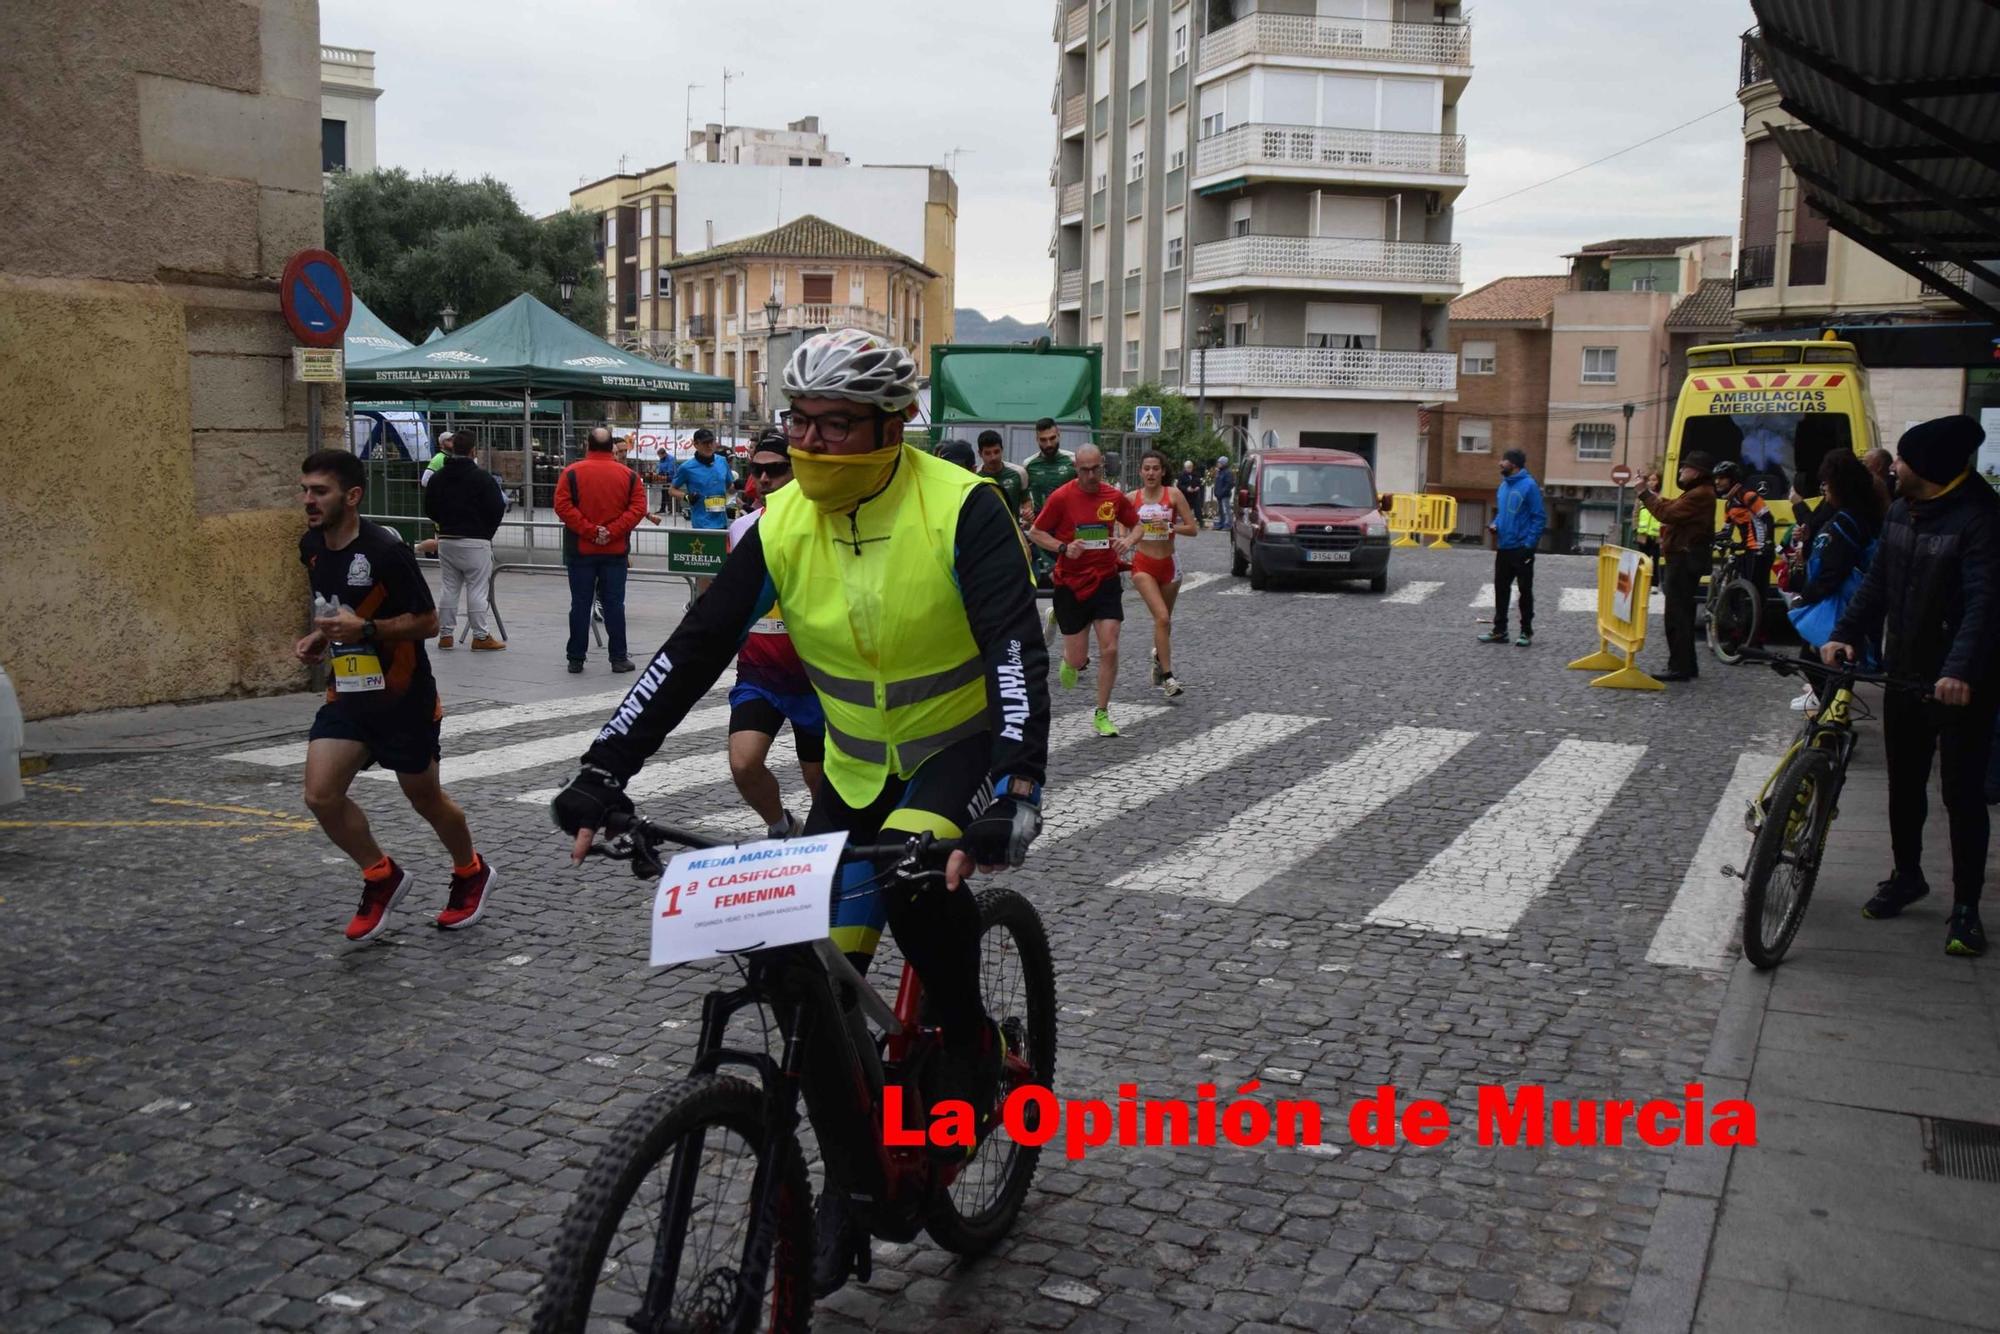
{"x":754,"y":895}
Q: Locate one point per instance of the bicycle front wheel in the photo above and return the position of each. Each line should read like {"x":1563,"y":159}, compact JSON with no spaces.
{"x":1017,"y":981}
{"x":664,"y":1233}
{"x":1784,"y":857}
{"x":1732,"y":619}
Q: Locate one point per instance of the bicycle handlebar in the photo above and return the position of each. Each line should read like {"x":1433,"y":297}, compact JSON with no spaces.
{"x":644,"y":833}
{"x":1849,"y":671}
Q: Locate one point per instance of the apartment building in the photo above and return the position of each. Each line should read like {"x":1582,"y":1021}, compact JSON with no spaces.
{"x":1500,"y":335}
{"x":347,"y":96}
{"x":736,"y":299}
{"x":737,"y":182}
{"x":1795,"y":274}
{"x":1253,"y":206}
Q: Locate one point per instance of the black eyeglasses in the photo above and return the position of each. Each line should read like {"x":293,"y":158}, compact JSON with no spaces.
{"x":834,"y":427}
{"x":770,"y":469}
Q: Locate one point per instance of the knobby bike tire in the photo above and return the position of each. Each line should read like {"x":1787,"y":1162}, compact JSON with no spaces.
{"x":1799,"y":830}
{"x":1733,"y":617}
{"x":972,"y":1234}
{"x":648,"y":1136}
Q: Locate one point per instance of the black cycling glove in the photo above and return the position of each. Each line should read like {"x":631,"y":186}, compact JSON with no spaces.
{"x":1001,"y":834}
{"x":590,"y":797}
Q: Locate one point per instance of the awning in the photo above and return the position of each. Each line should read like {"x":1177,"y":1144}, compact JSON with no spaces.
{"x":368,"y":338}
{"x":521,"y":346}
{"x":1900,"y":145}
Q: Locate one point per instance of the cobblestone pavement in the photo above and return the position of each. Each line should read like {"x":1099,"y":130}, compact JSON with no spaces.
{"x":219,"y":1116}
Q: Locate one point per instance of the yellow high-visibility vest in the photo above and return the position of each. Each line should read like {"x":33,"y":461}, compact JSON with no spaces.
{"x":873,"y":608}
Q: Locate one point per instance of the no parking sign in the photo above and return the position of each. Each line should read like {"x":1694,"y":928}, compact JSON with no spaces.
{"x":316,"y":298}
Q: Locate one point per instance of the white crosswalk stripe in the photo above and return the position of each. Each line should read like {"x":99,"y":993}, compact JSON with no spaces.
{"x":1190,"y":582}
{"x":1124,"y":788}
{"x":1699,"y":930}
{"x":1482,"y":599}
{"x":1579,"y":599}
{"x":1414,"y":592}
{"x":1068,"y":730}
{"x":564,"y":749}
{"x":1568,"y":599}
{"x":461,"y":724}
{"x":1506,"y":859}
{"x":1292,"y":826}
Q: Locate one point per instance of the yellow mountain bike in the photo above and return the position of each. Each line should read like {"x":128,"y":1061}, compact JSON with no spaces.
{"x":1790,"y":817}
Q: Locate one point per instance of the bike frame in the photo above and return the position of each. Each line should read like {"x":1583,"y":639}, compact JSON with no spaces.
{"x":1831,"y":729}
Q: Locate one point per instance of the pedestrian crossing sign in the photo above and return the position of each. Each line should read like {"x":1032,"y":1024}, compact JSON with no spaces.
{"x":1146,"y":420}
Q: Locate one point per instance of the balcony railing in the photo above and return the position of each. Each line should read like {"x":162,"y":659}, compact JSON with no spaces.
{"x":701,"y":326}
{"x":1336,"y":152}
{"x":1072,"y":199}
{"x":817,"y":315}
{"x":1808,"y":267}
{"x":1338,"y":39}
{"x":1069,"y":288}
{"x":1750,"y":67}
{"x":1332,"y":370}
{"x":1072,"y":114}
{"x":1333,"y":258}
{"x":1951,"y":273}
{"x":1756,"y":266}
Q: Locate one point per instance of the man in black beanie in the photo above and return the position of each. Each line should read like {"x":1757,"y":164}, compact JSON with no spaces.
{"x":1687,"y":525}
{"x":1931,"y":593}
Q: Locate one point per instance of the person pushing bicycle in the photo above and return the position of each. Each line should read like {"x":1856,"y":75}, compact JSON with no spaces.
{"x":1747,"y":513}
{"x":909,"y":597}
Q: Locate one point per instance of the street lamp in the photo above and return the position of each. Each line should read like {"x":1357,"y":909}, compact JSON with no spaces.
{"x":448,"y":317}
{"x":1625,"y":461}
{"x":772,"y":310}
{"x":566,"y":288}
{"x":1202,"y":338}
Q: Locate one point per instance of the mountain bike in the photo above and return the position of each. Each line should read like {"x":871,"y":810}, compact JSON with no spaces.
{"x":1735,"y":601}
{"x":1790,"y":817}
{"x":697,"y":1214}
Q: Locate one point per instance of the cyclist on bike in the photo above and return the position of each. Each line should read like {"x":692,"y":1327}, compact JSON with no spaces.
{"x":908,"y":595}
{"x":1746,"y":512}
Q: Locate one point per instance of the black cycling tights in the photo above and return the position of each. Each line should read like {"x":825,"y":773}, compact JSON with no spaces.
{"x":937,"y":930}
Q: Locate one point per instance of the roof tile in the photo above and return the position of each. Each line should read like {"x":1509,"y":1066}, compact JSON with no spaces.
{"x":1712,"y":305}
{"x":807,"y":237}
{"x":1523,"y":298}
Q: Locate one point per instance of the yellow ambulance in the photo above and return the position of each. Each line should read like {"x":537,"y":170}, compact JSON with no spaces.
{"x":1776,"y":408}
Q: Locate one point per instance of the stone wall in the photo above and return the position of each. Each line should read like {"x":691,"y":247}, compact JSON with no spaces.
{"x":152,"y":433}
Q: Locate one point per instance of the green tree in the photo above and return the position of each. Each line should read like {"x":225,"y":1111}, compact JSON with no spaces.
{"x":416,"y":244}
{"x":1181,"y":434}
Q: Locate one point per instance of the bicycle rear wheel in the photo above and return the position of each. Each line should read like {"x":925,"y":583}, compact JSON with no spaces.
{"x":1017,"y":981}
{"x":1732,"y":619}
{"x":1784,"y":857}
{"x":729,"y":1270}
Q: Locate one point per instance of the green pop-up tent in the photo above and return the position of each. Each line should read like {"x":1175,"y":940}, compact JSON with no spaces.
{"x":525,"y":347}
{"x":368,"y":337}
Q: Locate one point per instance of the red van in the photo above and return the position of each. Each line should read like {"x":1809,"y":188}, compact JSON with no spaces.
{"x":1308,"y":513}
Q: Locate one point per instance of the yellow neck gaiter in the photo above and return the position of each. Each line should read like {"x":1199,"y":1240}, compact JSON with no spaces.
{"x":836,"y":483}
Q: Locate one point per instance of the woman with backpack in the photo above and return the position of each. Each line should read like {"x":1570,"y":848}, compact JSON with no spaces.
{"x":1845,"y":526}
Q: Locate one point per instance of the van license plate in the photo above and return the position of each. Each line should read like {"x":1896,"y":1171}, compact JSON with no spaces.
{"x":1330,"y":555}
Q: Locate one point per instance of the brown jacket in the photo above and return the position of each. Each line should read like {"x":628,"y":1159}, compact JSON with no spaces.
{"x":1687,"y":522}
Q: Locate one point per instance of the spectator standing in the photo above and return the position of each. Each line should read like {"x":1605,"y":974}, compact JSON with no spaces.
{"x":442,"y":452}
{"x":1687,"y":527}
{"x":1190,"y":487}
{"x":1838,"y":551}
{"x":1225,"y":486}
{"x":1881,"y":466}
{"x":1646,"y":528}
{"x":1931,"y":592}
{"x":466,"y":504}
{"x":1518,"y":520}
{"x":600,"y":502}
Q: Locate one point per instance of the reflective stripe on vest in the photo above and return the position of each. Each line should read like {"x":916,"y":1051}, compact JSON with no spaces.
{"x":874,"y":610}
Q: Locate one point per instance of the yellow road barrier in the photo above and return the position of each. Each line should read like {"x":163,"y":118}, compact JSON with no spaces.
{"x":1413,"y":516}
{"x":1624,"y":582}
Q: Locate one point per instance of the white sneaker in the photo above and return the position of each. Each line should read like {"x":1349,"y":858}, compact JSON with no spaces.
{"x":791,"y":826}
{"x":1806,"y":702}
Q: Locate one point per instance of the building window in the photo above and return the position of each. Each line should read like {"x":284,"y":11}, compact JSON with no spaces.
{"x":1475,"y":437}
{"x":1176,"y":247}
{"x":1600,"y":365}
{"x":1211,"y":123}
{"x":1137,"y":171}
{"x":332,"y":145}
{"x":611,"y":230}
{"x":645,"y":221}
{"x":1646,"y":282}
{"x":666,"y":284}
{"x":1476,"y":358}
{"x":1177,"y":159}
{"x":795,"y":162}
{"x":814,"y":162}
{"x":1239,"y":217}
{"x":1170,"y":358}
{"x":1180,"y":46}
{"x":1594,"y":441}
{"x":1131,"y":354}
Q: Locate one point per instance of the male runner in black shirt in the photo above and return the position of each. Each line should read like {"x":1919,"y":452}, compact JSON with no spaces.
{"x":372,"y":612}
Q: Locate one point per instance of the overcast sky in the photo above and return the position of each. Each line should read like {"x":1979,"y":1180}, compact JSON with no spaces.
{"x":558,"y":92}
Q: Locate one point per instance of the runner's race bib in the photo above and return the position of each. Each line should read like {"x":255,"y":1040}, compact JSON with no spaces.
{"x":357,"y":668}
{"x":715,"y":502}
{"x":769,"y":625}
{"x":1156,"y":530}
{"x":1093,"y":537}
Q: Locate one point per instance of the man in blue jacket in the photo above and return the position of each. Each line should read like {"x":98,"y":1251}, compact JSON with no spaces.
{"x":1518,"y":520}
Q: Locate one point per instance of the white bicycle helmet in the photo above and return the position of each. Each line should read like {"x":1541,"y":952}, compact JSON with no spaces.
{"x":853,"y":364}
